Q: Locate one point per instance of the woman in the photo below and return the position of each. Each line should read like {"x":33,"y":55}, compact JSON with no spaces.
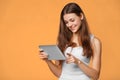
{"x":78,"y":45}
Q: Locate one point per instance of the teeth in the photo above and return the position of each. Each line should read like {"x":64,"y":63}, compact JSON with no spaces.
{"x":73,"y":27}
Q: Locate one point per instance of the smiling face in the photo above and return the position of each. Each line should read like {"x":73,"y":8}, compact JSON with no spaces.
{"x":72,"y":21}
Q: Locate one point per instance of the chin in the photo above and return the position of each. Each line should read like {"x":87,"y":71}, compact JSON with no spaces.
{"x":74,"y":31}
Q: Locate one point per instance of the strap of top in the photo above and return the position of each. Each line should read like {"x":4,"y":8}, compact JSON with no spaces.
{"x":91,"y":37}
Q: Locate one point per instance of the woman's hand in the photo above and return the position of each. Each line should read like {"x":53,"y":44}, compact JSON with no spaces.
{"x":71,"y":59}
{"x":43,"y":55}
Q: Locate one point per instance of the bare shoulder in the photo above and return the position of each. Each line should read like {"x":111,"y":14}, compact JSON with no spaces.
{"x":96,"y":41}
{"x":97,"y":45}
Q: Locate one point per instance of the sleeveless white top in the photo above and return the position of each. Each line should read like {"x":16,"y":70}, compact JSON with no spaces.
{"x":72,"y":71}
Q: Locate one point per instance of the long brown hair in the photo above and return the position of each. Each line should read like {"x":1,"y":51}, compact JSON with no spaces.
{"x":65,"y":35}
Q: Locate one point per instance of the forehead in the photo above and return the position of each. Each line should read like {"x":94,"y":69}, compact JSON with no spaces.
{"x":69,"y":16}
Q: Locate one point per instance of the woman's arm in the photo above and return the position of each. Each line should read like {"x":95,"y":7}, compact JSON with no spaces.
{"x":54,"y":67}
{"x":93,"y":71}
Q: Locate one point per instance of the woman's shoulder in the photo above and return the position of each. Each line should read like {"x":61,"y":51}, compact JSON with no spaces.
{"x":96,"y":42}
{"x":97,"y":46}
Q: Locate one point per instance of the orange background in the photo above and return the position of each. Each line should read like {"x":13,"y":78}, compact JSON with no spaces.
{"x":25,"y":24}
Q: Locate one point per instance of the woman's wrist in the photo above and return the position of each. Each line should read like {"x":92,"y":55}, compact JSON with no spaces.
{"x":79,"y":62}
{"x":46,"y":60}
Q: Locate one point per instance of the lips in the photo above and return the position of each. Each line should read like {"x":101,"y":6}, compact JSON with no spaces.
{"x":72,"y":27}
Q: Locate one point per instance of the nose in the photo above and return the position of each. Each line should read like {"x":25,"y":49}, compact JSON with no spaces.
{"x":69,"y":24}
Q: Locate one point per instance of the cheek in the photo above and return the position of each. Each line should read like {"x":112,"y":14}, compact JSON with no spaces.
{"x":67,"y":25}
{"x":78,"y":23}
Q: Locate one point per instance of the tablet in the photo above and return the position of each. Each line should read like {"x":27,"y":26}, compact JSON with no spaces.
{"x":54,"y":53}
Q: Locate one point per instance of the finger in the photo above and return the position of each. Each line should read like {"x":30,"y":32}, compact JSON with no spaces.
{"x":43,"y":57}
{"x":71,"y":55}
{"x":43,"y":53}
{"x":68,"y":54}
{"x":41,"y":50}
{"x":70,"y":59}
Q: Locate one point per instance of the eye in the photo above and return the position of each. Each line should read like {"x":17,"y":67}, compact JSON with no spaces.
{"x":66,"y":22}
{"x":72,"y":20}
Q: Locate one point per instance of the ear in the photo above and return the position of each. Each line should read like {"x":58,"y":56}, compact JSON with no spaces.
{"x":81,"y":16}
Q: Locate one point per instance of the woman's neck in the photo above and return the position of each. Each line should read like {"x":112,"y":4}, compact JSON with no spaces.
{"x":75,"y":39}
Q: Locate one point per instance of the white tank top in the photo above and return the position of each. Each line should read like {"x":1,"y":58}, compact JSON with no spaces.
{"x":72,"y":71}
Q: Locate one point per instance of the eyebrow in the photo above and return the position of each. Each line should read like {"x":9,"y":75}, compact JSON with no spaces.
{"x":69,"y":19}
